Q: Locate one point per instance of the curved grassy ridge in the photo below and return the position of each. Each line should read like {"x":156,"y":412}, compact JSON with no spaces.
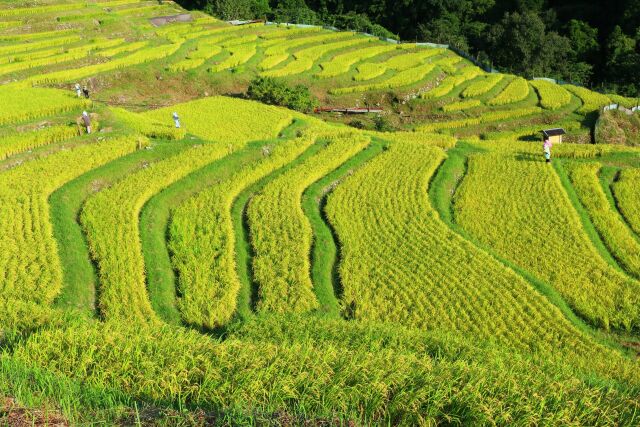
{"x":401,"y":264}
{"x":398,"y":262}
{"x":509,"y":198}
{"x":79,"y":276}
{"x":305,"y":59}
{"x":30,"y":104}
{"x":482,"y":86}
{"x":341,"y":64}
{"x":18,"y":142}
{"x":616,"y":234}
{"x":450,"y":83}
{"x":626,"y":191}
{"x":516,"y":90}
{"x":281,"y":234}
{"x":28,"y":252}
{"x":317,"y":369}
{"x":202,"y":238}
{"x":227,"y":120}
{"x":552,"y":96}
{"x":489,"y":117}
{"x":110,"y":221}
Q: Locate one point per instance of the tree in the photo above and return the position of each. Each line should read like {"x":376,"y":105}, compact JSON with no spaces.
{"x":584,"y":38}
{"x":516,"y":40}
{"x":446,"y":29}
{"x":294,"y":11}
{"x":237,"y":9}
{"x":276,"y":92}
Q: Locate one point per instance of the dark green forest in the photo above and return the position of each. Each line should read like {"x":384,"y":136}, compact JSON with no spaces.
{"x":592,"y":43}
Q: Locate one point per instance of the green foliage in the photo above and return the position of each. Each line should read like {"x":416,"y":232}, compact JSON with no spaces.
{"x":237,"y":9}
{"x":276,"y":92}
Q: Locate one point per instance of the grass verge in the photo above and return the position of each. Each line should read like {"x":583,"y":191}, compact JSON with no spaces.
{"x":79,"y":275}
{"x":324,"y":250}
{"x":441,"y":194}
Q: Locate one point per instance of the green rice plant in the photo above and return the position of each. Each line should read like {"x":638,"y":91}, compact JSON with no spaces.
{"x":60,"y":50}
{"x":462,"y":105}
{"x":530,"y":130}
{"x":528,"y":149}
{"x":27,"y":11}
{"x":272,"y":61}
{"x":341,"y":64}
{"x":482,"y":86}
{"x":236,"y":41}
{"x":239,"y":55}
{"x":69,"y":55}
{"x":493,"y":116}
{"x":279,"y":48}
{"x":591,"y":101}
{"x":403,"y":78}
{"x":342,"y":370}
{"x":18,"y":142}
{"x":36,"y":36}
{"x":298,"y":66}
{"x":369,"y":71}
{"x":516,"y":90}
{"x":140,"y":10}
{"x":28,"y":253}
{"x":281,"y":235}
{"x":41,"y":44}
{"x":146,"y":125}
{"x":504,"y":202}
{"x":449,"y":62}
{"x":434,"y":139}
{"x":611,"y":227}
{"x":202,"y":241}
{"x":125,"y":48}
{"x":626,"y":102}
{"x":186,"y":64}
{"x":552,"y":96}
{"x":401,"y":264}
{"x":305,"y":59}
{"x":110,"y":221}
{"x":401,"y":62}
{"x":226,"y":120}
{"x":451,"y":82}
{"x":627,"y":194}
{"x":408,"y":60}
{"x":139,"y":57}
{"x":10,"y":24}
{"x":28,"y":104}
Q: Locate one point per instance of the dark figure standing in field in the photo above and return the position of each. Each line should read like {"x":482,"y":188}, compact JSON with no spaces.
{"x":85,"y":91}
{"x":546,"y":147}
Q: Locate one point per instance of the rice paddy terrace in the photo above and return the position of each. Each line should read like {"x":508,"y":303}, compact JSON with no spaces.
{"x":261,"y":266}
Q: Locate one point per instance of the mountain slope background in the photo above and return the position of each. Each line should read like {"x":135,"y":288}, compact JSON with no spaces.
{"x":596,"y":44}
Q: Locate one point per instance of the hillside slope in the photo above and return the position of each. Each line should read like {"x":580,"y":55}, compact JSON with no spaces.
{"x":261,"y":266}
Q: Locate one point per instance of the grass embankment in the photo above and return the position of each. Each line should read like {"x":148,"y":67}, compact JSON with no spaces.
{"x":156,"y":214}
{"x":324,"y":252}
{"x":79,"y":274}
{"x":442,"y":196}
{"x":587,"y":225}
{"x":248,"y":295}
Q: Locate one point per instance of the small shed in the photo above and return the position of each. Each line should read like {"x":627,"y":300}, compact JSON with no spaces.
{"x":554,"y":135}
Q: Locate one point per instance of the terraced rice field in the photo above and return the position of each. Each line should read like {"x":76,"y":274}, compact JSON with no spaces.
{"x":262,"y":266}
